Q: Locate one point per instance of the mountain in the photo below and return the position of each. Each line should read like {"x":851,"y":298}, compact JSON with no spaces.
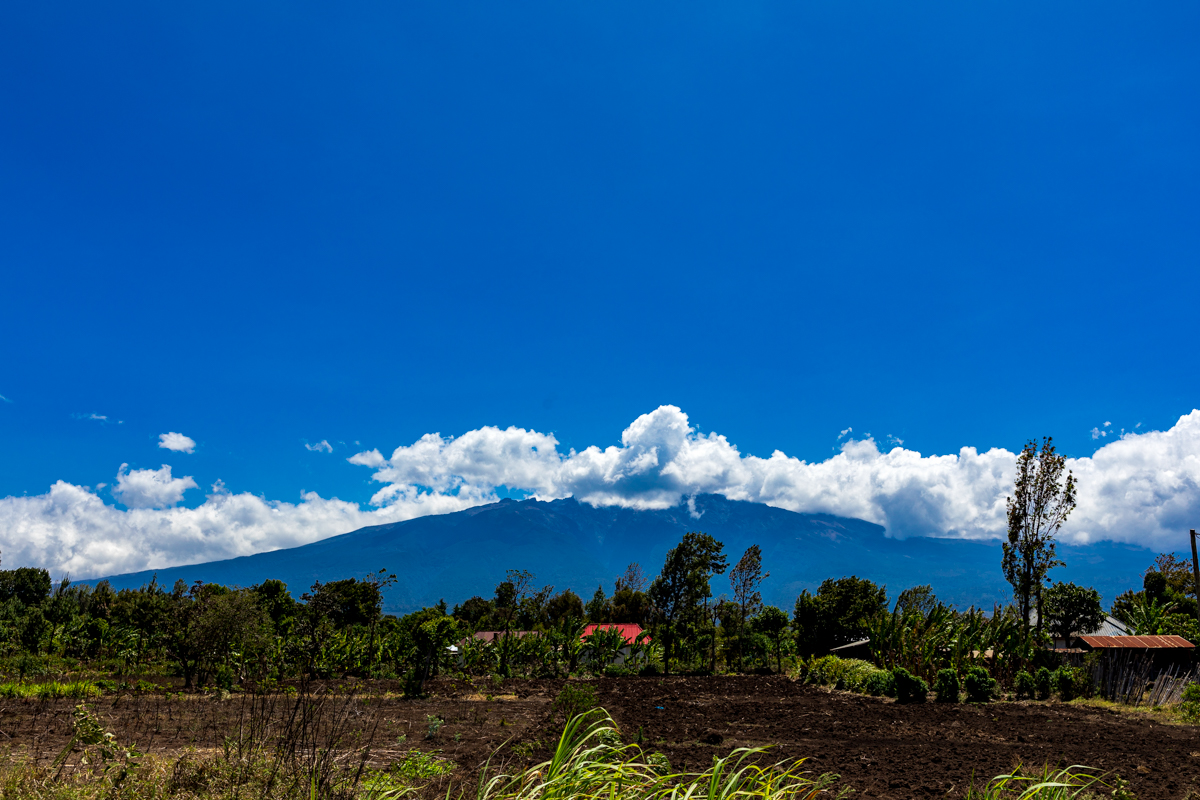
{"x":573,"y":545}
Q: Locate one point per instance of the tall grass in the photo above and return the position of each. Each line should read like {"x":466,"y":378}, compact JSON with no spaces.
{"x":1064,"y":784}
{"x":590,"y":762}
{"x":76,"y":690}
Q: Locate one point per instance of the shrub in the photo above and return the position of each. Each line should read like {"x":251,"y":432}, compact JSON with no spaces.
{"x":979,"y":685}
{"x":1068,"y":682}
{"x":946,"y":686}
{"x":909,"y":688}
{"x":1045,"y":683}
{"x":880,"y":683}
{"x":1190,"y":707}
{"x":574,"y":699}
{"x":855,"y":674}
{"x":841,"y":673}
{"x":617,"y":671}
{"x":1024,"y":685}
{"x":413,"y":685}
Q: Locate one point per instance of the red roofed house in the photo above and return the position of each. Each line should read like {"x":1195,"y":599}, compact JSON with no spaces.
{"x":630,"y":632}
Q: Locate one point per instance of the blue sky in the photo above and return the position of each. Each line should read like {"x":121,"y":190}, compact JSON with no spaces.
{"x":265,"y":225}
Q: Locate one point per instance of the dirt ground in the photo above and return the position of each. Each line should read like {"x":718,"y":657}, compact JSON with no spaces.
{"x":881,"y":749}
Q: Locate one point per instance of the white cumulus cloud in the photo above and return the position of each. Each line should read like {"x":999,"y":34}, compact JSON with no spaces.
{"x":150,"y":488}
{"x":72,"y":530}
{"x":1141,"y":488}
{"x":1137,"y":489}
{"x":177,"y":442}
{"x":320,"y":447}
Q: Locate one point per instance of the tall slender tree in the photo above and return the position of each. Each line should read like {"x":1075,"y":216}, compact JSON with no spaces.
{"x":682,"y":587}
{"x":1042,"y":499}
{"x":745,"y":579}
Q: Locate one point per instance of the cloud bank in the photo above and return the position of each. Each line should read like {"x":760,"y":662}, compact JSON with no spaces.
{"x":1141,"y":488}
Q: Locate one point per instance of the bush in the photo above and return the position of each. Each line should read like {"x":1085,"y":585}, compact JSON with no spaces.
{"x":649,"y":671}
{"x":1045,"y":683}
{"x":909,"y":688}
{"x":946,"y":686}
{"x":1024,"y":685}
{"x":574,"y":699}
{"x":617,"y":671}
{"x":1063,"y":682}
{"x":1190,"y":707}
{"x":979,"y":685}
{"x":850,"y":674}
{"x":881,"y":683}
{"x":413,"y":685}
{"x":1071,"y":682}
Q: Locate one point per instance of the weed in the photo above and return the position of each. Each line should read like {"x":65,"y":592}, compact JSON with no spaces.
{"x":575,"y":699}
{"x":418,"y":766}
{"x":433,"y":726}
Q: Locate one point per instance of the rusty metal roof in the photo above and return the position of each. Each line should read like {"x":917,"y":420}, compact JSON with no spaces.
{"x":1138,"y":642}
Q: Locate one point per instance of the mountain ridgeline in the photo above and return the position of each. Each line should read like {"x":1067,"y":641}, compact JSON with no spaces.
{"x":573,"y":545}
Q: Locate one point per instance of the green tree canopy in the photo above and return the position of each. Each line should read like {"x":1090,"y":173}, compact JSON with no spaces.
{"x":837,"y":614}
{"x":28,"y":584}
{"x":681,"y":589}
{"x":1072,"y":609}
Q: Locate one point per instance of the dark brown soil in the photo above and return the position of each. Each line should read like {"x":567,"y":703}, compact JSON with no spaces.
{"x":881,"y":749}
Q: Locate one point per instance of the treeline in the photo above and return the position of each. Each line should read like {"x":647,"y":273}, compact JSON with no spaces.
{"x":209,"y":634}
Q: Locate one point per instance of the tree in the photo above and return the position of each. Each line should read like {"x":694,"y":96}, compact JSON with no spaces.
{"x":1072,"y":609}
{"x":745,"y":579}
{"x":346,"y":602}
{"x":837,"y":614}
{"x":275,"y":600}
{"x":509,"y":594}
{"x":1041,"y":502}
{"x":476,"y":612}
{"x":564,"y":605}
{"x":773,"y":623}
{"x":1148,"y":618}
{"x":681,"y":587}
{"x":597,"y":607}
{"x":917,"y":598}
{"x":634,"y":578}
{"x":628,"y":605}
{"x":29,"y":585}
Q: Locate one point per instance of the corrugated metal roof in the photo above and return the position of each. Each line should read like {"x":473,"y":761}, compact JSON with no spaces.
{"x":859,"y":643}
{"x":1109,"y":627}
{"x":1137,"y":642}
{"x":629,"y":630}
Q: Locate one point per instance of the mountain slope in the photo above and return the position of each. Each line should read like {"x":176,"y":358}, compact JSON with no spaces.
{"x":573,"y":545}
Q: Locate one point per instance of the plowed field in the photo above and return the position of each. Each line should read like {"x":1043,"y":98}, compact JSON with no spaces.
{"x":881,"y":749}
